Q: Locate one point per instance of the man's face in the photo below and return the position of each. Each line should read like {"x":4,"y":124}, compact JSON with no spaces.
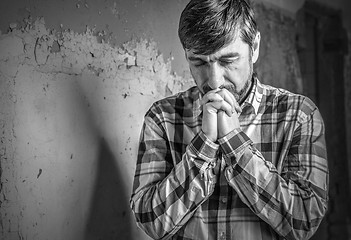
{"x":231,"y":67}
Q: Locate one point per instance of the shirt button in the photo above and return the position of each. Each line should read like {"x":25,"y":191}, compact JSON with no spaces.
{"x":224,"y":200}
{"x":222,"y":236}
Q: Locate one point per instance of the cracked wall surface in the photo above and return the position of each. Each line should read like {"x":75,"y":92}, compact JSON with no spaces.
{"x":65,"y":96}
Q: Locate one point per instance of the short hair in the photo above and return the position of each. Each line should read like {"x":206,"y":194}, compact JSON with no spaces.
{"x":206,"y":26}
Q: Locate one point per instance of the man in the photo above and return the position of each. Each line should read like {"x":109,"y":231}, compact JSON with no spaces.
{"x":231,"y":158}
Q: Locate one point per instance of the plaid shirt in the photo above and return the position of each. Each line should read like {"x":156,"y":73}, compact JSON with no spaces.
{"x":273,"y":182}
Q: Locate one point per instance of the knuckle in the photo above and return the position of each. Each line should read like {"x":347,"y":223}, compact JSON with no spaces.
{"x":206,"y":106}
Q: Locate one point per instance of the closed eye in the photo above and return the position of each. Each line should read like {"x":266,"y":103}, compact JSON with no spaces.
{"x":199,"y":63}
{"x":228,"y":61}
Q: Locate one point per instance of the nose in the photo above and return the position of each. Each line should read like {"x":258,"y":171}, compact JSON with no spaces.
{"x":215,"y":77}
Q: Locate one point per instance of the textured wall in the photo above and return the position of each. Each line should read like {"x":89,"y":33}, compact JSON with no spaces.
{"x":71,"y":115}
{"x":117,"y":21}
{"x":72,"y":104}
{"x":278,"y":63}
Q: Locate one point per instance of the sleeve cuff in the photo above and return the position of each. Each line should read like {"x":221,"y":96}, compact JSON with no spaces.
{"x":233,"y":145}
{"x":202,"y":147}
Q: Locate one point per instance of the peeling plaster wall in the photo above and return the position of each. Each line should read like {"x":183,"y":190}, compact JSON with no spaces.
{"x":117,"y":21}
{"x":72,"y":109}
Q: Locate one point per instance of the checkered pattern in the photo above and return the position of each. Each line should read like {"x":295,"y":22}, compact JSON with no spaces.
{"x":273,"y":173}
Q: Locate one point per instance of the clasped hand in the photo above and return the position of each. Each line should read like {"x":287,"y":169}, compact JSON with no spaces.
{"x":220,"y":113}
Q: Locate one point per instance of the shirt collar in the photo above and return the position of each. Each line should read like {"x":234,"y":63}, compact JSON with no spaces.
{"x":197,"y":108}
{"x":255,"y":97}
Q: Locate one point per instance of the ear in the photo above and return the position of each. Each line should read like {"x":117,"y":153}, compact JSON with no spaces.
{"x":256,"y":47}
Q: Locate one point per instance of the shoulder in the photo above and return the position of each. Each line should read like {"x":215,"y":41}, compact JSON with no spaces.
{"x":182,"y":101}
{"x":288,"y":101}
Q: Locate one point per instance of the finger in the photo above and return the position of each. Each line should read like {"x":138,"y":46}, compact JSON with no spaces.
{"x":211,"y":96}
{"x":238,"y":108}
{"x":214,"y":107}
{"x":228,"y":96}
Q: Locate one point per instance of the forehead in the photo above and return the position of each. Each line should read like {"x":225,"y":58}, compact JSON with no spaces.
{"x":236,"y":47}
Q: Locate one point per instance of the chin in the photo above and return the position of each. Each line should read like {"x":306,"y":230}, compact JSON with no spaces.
{"x":232,"y":90}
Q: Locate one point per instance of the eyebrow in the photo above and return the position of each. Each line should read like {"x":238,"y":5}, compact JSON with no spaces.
{"x":228,"y":55}
{"x":195,"y":59}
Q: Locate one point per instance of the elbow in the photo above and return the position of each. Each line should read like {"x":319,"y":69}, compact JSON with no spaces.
{"x":146,"y":220}
{"x":305,"y":229}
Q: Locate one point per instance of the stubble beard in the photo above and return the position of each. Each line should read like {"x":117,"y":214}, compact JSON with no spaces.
{"x":241,"y":95}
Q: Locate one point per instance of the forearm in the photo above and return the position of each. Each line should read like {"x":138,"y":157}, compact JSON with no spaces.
{"x":293,"y":203}
{"x":164,"y":202}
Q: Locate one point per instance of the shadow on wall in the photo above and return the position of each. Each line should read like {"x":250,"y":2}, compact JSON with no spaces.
{"x":65,"y":101}
{"x":107,"y":215}
{"x":108,"y":218}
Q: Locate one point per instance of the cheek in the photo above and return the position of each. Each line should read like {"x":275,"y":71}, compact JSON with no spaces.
{"x":197,"y":76}
{"x":239,"y":74}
